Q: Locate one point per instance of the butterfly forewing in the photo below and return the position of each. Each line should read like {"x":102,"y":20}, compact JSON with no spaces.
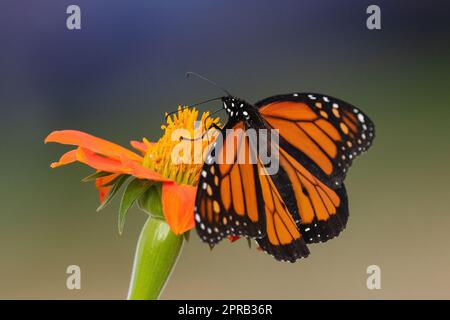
{"x":229,"y":197}
{"x":323,"y":133}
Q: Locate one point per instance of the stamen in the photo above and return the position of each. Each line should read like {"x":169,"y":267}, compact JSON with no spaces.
{"x":159,"y":155}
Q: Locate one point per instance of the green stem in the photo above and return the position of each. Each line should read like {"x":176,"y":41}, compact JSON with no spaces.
{"x":156,"y":254}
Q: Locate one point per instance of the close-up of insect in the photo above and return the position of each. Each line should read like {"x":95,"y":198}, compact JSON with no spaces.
{"x":213,"y":150}
{"x":305,"y":201}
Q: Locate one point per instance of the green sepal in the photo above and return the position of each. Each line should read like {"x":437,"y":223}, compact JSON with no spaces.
{"x":133,"y":191}
{"x":113,"y":181}
{"x":119,"y":182}
{"x":96,"y":175}
{"x":150,"y":201}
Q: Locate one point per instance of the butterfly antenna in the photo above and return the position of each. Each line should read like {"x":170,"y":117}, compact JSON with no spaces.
{"x":214,"y":112}
{"x":190,"y":73}
{"x":205,"y":101}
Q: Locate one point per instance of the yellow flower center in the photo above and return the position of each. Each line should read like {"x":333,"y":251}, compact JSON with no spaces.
{"x":180,"y":152}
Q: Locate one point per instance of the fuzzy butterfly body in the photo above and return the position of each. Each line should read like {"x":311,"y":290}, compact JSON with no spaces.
{"x":305,"y":200}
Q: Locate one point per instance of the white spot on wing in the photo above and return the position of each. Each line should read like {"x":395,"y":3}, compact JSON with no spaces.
{"x":360,"y":117}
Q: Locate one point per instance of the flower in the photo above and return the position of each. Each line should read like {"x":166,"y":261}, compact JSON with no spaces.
{"x":155,"y":163}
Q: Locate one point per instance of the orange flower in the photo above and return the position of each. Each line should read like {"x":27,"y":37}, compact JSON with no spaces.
{"x":155,"y":163}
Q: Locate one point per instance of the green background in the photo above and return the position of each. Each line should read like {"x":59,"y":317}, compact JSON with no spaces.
{"x":117,"y":76}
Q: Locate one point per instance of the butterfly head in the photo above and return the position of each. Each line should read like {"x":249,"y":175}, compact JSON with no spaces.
{"x":235,"y":107}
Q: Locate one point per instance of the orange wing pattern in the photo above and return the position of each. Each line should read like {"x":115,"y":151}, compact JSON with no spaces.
{"x":229,"y":199}
{"x":319,"y":138}
{"x":283,"y":239}
{"x":305,"y":200}
{"x":235,"y":199}
{"x":324,"y":134}
{"x":323,"y":211}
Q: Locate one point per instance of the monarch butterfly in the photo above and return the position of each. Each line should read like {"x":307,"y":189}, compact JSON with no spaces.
{"x":305,"y":200}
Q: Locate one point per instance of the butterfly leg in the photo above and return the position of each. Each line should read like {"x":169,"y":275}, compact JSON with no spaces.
{"x":212,"y":126}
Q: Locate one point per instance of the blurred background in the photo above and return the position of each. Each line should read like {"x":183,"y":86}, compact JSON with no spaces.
{"x":117,"y":76}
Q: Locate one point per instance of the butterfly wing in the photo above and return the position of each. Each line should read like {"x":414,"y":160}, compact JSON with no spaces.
{"x":305,"y":201}
{"x":283,"y":239}
{"x":229,"y":198}
{"x":319,"y":138}
{"x":234,"y":198}
{"x":323,"y":210}
{"x":322,"y":133}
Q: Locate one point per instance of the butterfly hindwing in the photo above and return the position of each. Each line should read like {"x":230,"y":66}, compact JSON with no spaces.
{"x":322,"y":230}
{"x":323,"y":210}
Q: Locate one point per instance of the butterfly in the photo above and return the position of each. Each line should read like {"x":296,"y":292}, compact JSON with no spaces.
{"x":305,"y":200}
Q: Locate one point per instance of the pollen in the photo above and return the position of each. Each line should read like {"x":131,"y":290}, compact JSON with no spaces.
{"x":179,"y":154}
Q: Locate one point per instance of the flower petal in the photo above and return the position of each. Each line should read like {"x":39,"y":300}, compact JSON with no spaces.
{"x":139,"y":171}
{"x":87,"y":141}
{"x":178,"y":206}
{"x":100,"y":182}
{"x":233,"y":238}
{"x":99,"y":162}
{"x":140,"y":146}
{"x":66,"y":158}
